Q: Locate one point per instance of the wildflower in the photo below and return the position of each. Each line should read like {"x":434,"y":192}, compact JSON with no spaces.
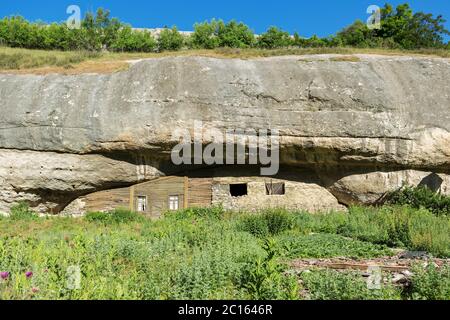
{"x":35,"y":290}
{"x":4,"y":275}
{"x":29,"y":274}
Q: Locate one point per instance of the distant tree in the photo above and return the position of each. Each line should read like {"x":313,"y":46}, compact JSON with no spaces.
{"x":274,"y":38}
{"x":411,"y":30}
{"x":400,"y":28}
{"x":235,"y":35}
{"x":205,"y":35}
{"x":170,"y":39}
{"x":316,"y":42}
{"x":298,"y":41}
{"x":129,"y":40}
{"x":356,"y":35}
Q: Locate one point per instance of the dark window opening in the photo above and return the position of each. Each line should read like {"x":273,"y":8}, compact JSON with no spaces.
{"x":238,"y":190}
{"x":275,"y":189}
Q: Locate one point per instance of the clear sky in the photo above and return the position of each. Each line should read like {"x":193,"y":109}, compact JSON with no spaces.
{"x":308,"y":17}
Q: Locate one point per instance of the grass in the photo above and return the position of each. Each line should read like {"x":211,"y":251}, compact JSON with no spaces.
{"x":394,"y":226}
{"x":294,"y":246}
{"x":14,"y":60}
{"x":202,"y":254}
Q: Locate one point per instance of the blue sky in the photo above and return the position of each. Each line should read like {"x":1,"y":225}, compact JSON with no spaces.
{"x":321,"y":17}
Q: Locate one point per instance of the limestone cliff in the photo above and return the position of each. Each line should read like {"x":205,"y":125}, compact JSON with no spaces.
{"x":363,"y":127}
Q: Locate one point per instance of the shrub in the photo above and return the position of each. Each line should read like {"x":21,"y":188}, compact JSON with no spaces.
{"x":264,"y":278}
{"x":170,"y":39}
{"x":274,"y":38}
{"x":129,"y":40}
{"x":430,"y":283}
{"x":205,"y":35}
{"x":235,"y":35}
{"x":21,"y":211}
{"x":327,"y":246}
{"x":421,"y":197}
{"x":269,"y":223}
{"x":216,"y":212}
{"x":255,"y":225}
{"x":115,"y":216}
{"x":335,"y":285}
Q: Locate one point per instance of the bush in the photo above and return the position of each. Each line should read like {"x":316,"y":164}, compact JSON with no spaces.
{"x":327,"y":246}
{"x":264,"y":279}
{"x":128,"y":40}
{"x":334,"y":285}
{"x":400,"y":28}
{"x":211,"y":212}
{"x":235,"y":35}
{"x":421,"y":197}
{"x":170,"y":39}
{"x":430,"y":283}
{"x":274,"y":38}
{"x":21,"y":211}
{"x":116,"y":216}
{"x":205,"y":35}
{"x":269,"y":223}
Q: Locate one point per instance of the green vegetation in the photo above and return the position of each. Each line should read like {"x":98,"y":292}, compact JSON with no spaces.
{"x":294,"y":245}
{"x":335,"y":285}
{"x":269,"y":223}
{"x":75,"y":62}
{"x":427,"y":283}
{"x":394,"y":226}
{"x":431,"y":283}
{"x":213,"y":254}
{"x":26,"y":59}
{"x":21,"y":211}
{"x":400,"y":29}
{"x":116,"y":216}
{"x":421,"y":197}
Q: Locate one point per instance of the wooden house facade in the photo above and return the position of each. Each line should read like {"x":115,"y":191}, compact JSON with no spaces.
{"x":169,"y":194}
{"x":239,"y":192}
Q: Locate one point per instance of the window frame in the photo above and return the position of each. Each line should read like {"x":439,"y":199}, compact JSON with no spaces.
{"x":270,"y":188}
{"x":171,"y":200}
{"x":145,"y":203}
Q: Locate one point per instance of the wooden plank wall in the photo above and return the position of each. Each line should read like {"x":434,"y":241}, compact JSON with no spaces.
{"x":192,"y":192}
{"x":200,"y":192}
{"x":107,"y":200}
{"x":158,"y":193}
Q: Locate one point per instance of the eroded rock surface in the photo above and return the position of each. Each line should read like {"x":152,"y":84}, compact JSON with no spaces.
{"x":62,"y":137}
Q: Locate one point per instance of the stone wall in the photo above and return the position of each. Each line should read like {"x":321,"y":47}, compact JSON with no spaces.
{"x":298,"y":195}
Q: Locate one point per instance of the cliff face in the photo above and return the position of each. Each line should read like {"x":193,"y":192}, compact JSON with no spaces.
{"x":364,"y":127}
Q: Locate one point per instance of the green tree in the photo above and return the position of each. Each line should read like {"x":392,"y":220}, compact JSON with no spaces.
{"x":411,"y":30}
{"x":128,"y":40}
{"x":205,"y":35}
{"x":170,"y":39}
{"x":235,"y":35}
{"x":274,"y":38}
{"x":356,"y":35}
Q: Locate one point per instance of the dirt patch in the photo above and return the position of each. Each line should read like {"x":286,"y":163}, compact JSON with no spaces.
{"x":345,"y":59}
{"x":398,"y":263}
{"x":97,"y":67}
